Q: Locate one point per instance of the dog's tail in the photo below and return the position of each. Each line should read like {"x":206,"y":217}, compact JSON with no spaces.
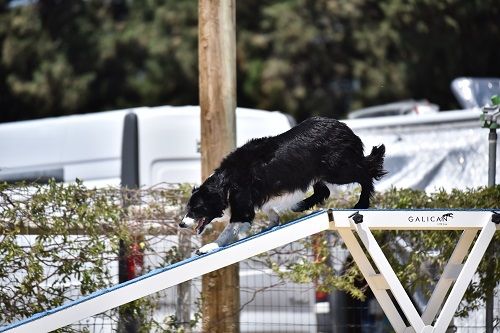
{"x":375,"y":162}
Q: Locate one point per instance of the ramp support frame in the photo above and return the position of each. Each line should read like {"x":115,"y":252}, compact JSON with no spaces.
{"x":382,"y":279}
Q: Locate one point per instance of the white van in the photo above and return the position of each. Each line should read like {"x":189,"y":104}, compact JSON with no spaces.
{"x":147,"y":145}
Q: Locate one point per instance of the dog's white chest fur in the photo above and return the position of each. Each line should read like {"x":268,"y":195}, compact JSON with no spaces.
{"x":283,"y":202}
{"x":275,"y":205}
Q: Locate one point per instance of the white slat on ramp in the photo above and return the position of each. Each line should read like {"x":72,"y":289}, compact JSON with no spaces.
{"x":172,"y":275}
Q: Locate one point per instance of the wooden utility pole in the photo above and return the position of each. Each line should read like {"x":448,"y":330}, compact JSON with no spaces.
{"x":217,"y":70}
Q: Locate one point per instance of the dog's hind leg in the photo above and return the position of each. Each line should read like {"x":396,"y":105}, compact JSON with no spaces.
{"x":373,"y":169}
{"x":273,"y":215}
{"x":321,"y":193}
{"x":367,"y":190}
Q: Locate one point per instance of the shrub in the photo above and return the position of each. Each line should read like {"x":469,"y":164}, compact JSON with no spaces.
{"x":60,"y":241}
{"x":55,"y":237}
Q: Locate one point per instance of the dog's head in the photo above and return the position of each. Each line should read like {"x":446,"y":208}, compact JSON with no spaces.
{"x":207,"y":202}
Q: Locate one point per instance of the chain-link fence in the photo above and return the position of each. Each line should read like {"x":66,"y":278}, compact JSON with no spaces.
{"x":270,"y":303}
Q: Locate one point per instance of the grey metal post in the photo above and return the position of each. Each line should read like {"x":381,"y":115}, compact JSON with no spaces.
{"x":183,"y":304}
{"x":492,"y":159}
{"x":492,"y":156}
{"x":128,"y":322}
{"x":491,"y":120}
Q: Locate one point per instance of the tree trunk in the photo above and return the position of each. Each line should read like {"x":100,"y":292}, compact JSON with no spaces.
{"x":217,"y":66}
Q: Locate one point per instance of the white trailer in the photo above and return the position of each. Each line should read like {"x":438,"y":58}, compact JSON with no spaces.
{"x":150,"y":144}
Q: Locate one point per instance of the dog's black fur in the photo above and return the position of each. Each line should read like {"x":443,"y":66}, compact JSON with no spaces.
{"x":315,"y":152}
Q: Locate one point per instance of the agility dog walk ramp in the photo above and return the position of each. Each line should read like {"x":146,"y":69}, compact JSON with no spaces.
{"x":346,"y":223}
{"x":169,"y":276}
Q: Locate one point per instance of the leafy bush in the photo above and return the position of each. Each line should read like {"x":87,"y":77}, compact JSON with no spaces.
{"x":61,"y":241}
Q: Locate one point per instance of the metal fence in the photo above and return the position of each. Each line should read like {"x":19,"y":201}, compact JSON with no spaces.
{"x":268,"y":302}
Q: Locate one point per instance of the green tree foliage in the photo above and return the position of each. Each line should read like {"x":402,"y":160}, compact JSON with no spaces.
{"x":44,"y":62}
{"x":304,"y":57}
{"x":64,"y":57}
{"x":415,"y":49}
{"x":294,"y":57}
{"x":322,"y":57}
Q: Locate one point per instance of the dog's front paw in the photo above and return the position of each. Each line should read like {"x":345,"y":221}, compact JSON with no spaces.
{"x":207,"y":248}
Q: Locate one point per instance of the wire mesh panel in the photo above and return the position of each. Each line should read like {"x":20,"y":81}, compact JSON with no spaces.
{"x":269,"y":302}
{"x":283,"y":290}
{"x":475,"y":320}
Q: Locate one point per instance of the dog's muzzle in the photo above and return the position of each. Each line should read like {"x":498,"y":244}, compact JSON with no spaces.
{"x":187,"y":222}
{"x":199,"y":224}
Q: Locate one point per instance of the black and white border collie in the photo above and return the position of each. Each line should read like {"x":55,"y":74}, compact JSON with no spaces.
{"x":274,"y":173}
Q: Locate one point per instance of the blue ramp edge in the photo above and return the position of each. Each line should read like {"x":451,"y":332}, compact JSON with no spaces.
{"x":414,"y":209}
{"x":152,"y":273}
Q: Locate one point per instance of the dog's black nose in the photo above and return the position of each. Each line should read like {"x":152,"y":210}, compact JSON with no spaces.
{"x":182,"y":225}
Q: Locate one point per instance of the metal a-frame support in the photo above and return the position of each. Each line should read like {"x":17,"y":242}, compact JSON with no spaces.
{"x":457,"y":273}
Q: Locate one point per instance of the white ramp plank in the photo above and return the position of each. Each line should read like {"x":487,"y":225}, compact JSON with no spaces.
{"x":416,"y":219}
{"x":172,"y":275}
